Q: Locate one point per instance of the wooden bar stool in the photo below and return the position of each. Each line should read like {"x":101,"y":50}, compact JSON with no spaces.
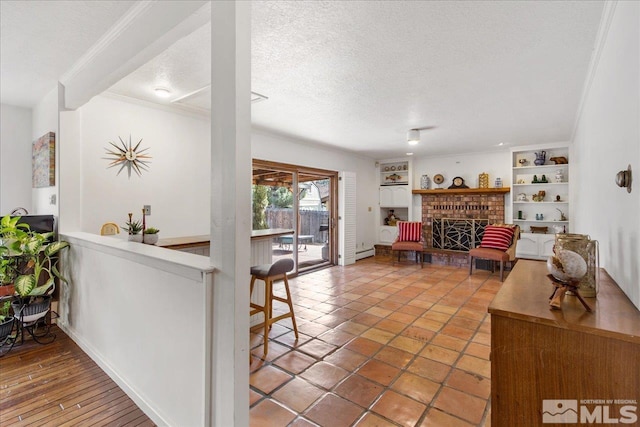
{"x":269,"y":273}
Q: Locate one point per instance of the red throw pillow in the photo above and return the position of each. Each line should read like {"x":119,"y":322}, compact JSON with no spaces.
{"x":497,"y":237}
{"x":409,"y":231}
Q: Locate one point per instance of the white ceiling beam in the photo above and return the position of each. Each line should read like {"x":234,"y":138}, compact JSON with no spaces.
{"x":146,"y":30}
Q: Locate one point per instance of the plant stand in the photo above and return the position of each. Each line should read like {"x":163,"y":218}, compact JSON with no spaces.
{"x":6,"y":331}
{"x":33,"y":319}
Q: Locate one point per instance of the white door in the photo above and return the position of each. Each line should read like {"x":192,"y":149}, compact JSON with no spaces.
{"x":346,"y":218}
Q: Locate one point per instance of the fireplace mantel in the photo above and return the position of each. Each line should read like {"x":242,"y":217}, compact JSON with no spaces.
{"x":501,"y":190}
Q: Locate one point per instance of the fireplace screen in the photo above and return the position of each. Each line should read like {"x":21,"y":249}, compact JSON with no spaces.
{"x":457,"y":234}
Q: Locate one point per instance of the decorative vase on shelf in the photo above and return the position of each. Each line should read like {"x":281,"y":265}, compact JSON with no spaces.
{"x":541,"y":157}
{"x":498,"y":183}
{"x":559,"y":175}
{"x":425,"y":182}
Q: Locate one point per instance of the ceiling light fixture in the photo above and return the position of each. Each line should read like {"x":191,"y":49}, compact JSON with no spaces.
{"x":162,"y":92}
{"x":409,"y":154}
{"x":413,"y":137}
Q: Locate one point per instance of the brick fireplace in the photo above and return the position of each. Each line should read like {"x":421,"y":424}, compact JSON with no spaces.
{"x":470,"y":204}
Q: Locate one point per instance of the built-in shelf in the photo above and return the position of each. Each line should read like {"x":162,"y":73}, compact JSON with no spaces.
{"x":550,"y":166}
{"x":502,"y":190}
{"x":540,"y":183}
{"x":541,"y":220}
{"x":561,"y":202}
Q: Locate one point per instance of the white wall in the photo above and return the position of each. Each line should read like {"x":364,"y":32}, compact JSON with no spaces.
{"x":607,"y":139}
{"x":468,"y":166}
{"x":45,"y":119}
{"x":15,"y":158}
{"x":177,"y":183}
{"x":143,"y":314}
{"x":277,"y":148}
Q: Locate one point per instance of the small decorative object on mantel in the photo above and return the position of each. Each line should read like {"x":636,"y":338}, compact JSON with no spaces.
{"x":458,"y":182}
{"x":498,"y":183}
{"x":483,"y":180}
{"x":523,"y":162}
{"x":566,"y":268}
{"x":425,"y":182}
{"x":129,"y":156}
{"x":438,"y":179}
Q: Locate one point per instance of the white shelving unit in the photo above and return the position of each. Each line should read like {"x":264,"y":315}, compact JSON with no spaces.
{"x":526,"y":182}
{"x":394,"y":193}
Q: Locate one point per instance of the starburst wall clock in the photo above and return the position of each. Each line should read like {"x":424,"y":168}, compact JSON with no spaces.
{"x":128,"y":156}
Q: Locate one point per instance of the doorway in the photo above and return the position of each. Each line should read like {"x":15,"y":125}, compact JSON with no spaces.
{"x":303,"y":200}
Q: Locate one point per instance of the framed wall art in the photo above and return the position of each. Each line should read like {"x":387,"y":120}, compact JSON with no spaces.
{"x":43,"y":161}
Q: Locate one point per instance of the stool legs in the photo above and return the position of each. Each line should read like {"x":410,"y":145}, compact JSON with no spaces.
{"x":267,"y":308}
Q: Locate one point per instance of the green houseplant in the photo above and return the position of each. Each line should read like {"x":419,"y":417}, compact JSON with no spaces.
{"x":134,"y":229}
{"x":151,"y":235}
{"x":33,"y":258}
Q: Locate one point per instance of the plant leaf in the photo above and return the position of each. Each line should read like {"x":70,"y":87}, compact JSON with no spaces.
{"x":24,"y":284}
{"x":54,"y":247}
{"x":42,"y":290}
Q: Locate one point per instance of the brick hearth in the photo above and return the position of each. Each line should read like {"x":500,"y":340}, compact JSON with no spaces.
{"x":458,"y":206}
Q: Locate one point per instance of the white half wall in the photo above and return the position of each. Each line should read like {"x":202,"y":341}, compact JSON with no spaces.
{"x":15,"y":158}
{"x":276,"y":148}
{"x":176,"y":184}
{"x":606,"y":140}
{"x":141,"y":313}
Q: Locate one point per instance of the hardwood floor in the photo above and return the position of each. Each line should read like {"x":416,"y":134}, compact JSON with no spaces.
{"x":58,"y":384}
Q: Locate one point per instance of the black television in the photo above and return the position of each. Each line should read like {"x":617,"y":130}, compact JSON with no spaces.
{"x":40,"y":223}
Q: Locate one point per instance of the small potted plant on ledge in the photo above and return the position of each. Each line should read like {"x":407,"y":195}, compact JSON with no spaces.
{"x":151,"y":235}
{"x":134,"y":229}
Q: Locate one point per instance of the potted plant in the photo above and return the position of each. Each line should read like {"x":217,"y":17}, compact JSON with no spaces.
{"x":151,"y":235}
{"x":6,"y":321}
{"x":8,"y":272}
{"x":36,"y":265}
{"x":134,"y":229}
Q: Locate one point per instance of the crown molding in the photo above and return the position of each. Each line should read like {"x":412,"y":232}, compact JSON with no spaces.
{"x":601,"y":39}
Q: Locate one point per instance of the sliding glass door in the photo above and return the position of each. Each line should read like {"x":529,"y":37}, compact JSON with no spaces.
{"x":300,"y":199}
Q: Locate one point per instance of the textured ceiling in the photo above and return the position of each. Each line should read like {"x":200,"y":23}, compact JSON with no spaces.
{"x":41,"y":40}
{"x":358,"y":75}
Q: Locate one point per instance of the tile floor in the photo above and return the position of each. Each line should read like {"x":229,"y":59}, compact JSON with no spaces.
{"x":380,"y":345}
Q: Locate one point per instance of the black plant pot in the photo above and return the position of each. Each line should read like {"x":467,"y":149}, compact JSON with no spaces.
{"x":5,"y":328}
{"x":30,"y":309}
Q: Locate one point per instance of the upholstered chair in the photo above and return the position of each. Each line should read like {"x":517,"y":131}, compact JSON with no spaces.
{"x":409,"y":239}
{"x":498,"y":244}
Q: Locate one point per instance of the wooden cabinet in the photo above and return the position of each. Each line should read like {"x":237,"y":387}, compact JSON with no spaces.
{"x":552,"y":211}
{"x":539,"y":355}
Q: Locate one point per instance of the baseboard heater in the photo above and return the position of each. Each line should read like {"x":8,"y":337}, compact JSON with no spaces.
{"x":365,"y":253}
